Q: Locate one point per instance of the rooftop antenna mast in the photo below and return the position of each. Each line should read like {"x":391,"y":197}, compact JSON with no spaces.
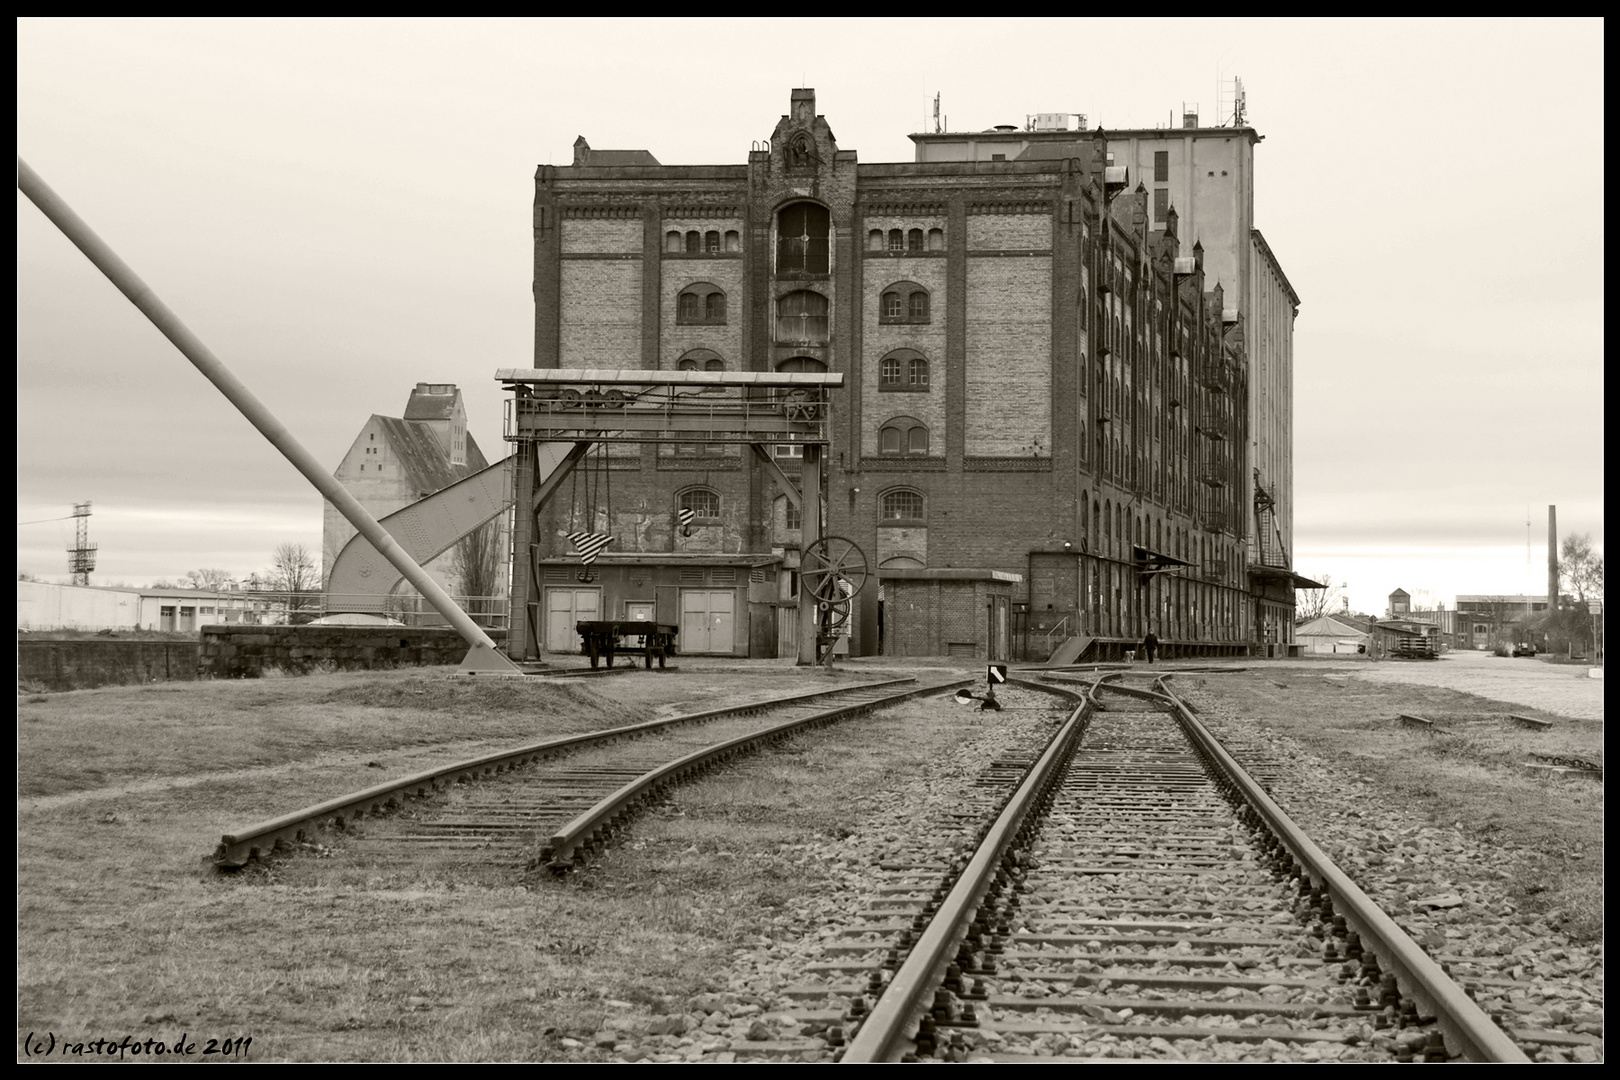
{"x":82,"y":555}
{"x":936,"y":113}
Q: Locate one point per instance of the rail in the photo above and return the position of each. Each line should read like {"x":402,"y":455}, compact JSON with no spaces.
{"x":569,"y":844}
{"x":255,"y":841}
{"x":1468,"y":1031}
{"x":887,"y":1029}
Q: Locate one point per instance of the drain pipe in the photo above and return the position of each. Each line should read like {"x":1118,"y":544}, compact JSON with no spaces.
{"x":482,"y":656}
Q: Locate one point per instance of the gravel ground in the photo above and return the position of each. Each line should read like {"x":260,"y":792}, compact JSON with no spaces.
{"x":1445,"y":890}
{"x":769,"y":1003}
{"x":1559,"y":688}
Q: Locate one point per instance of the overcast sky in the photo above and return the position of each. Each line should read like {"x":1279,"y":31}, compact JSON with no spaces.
{"x":342,"y":208}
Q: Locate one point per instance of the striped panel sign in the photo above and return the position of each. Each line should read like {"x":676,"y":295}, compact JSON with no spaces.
{"x":686,"y":517}
{"x":589,"y":545}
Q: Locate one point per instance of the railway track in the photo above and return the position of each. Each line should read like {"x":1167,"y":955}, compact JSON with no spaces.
{"x":1139,"y":896}
{"x":549,"y":803}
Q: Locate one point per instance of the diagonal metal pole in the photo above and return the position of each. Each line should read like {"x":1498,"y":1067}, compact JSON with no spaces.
{"x":482,"y":656}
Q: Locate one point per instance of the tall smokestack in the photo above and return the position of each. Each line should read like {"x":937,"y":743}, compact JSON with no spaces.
{"x":1552,"y":558}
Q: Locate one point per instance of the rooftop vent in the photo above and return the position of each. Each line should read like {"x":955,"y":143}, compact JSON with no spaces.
{"x":1005,"y":127}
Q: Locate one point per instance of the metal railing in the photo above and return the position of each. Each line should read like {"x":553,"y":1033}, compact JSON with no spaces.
{"x":409,"y":608}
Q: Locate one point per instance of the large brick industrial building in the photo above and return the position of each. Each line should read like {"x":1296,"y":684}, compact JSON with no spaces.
{"x":1050,"y":409}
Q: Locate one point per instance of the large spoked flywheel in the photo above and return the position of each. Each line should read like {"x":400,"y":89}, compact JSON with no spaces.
{"x":833,"y":569}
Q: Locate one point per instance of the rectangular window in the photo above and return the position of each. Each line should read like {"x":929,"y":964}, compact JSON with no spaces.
{"x":1161,"y":166}
{"x":1161,"y":203}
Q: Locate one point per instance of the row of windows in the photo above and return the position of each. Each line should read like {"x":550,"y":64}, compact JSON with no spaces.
{"x":705,"y":243}
{"x":907,"y":240}
{"x":801,"y":315}
{"x":704,"y":503}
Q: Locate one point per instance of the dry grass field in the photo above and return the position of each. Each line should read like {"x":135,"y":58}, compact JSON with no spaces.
{"x":124,"y":928}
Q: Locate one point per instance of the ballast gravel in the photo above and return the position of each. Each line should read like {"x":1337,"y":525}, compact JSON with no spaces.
{"x":902,"y":825}
{"x":1443,"y":888}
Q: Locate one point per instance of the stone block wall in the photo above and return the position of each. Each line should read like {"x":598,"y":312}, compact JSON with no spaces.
{"x":81,"y":665}
{"x":237,"y":652}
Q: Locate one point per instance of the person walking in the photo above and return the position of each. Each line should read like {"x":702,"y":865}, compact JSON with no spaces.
{"x":1150,"y":645}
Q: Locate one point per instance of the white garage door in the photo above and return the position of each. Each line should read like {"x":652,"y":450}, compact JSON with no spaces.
{"x":707,"y":622}
{"x":565,"y":607}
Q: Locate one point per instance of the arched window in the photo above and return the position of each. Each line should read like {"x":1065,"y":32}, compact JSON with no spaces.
{"x":803,"y":239}
{"x":903,"y":302}
{"x":936,"y":239}
{"x":733,"y":240}
{"x":703,"y":502}
{"x":701,"y":304}
{"x":897,"y":240}
{"x":701,"y":360}
{"x":904,"y":370}
{"x":874,"y":240}
{"x":672,"y":242}
{"x":802,"y":363}
{"x":802,"y":316}
{"x":903,"y":435}
{"x":711,"y":242}
{"x":901,"y":504}
{"x":694,"y":243}
{"x":914,"y":240}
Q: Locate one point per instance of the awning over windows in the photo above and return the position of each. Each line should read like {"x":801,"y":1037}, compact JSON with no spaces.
{"x":1150,"y":562}
{"x":1282,"y":575}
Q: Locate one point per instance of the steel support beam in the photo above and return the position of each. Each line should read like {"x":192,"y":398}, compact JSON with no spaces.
{"x":482,"y":654}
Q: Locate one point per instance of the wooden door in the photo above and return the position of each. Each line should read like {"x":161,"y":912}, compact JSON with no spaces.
{"x":564,"y":608}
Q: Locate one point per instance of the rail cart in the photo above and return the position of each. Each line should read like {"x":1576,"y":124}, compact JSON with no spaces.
{"x":603,"y":638}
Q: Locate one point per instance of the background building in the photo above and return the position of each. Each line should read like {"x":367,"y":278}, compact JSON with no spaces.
{"x":396,"y":461}
{"x":1044,"y":384}
{"x":44,"y":606}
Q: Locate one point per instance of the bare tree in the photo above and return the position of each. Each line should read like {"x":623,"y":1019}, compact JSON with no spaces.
{"x":294,"y":571}
{"x":1581,"y":567}
{"x":211,"y":578}
{"x":476,"y":562}
{"x":1314,"y":603}
{"x":1424,"y":600}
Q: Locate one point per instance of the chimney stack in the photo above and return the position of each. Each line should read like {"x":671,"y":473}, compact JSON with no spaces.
{"x":1552,"y":558}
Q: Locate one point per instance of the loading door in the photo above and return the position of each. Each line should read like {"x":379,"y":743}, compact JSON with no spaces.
{"x":707,"y":621}
{"x":564,"y":608}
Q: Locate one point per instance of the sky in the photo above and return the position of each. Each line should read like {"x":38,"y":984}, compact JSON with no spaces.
{"x":341,"y":209}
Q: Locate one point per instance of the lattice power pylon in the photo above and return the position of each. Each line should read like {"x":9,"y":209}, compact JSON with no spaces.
{"x":82,"y":555}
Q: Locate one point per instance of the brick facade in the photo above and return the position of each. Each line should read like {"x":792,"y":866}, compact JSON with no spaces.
{"x":1081,"y":385}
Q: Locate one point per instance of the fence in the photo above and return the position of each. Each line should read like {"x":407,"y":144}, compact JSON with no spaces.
{"x":490,"y":612}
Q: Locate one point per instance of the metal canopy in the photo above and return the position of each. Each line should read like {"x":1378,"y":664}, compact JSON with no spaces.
{"x":1150,"y":562}
{"x":709,"y":407}
{"x":641,"y":377}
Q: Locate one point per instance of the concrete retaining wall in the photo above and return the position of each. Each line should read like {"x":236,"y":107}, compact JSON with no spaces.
{"x":80,"y":665}
{"x":235,"y":652}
